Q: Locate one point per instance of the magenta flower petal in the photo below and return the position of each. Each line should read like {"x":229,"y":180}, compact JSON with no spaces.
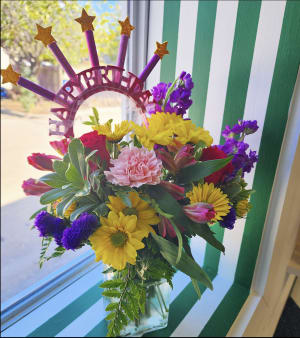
{"x":200,"y":212}
{"x":42,"y":161}
{"x":35,"y":187}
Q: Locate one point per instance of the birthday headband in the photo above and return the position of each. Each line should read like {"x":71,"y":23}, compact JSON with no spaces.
{"x":90,"y":81}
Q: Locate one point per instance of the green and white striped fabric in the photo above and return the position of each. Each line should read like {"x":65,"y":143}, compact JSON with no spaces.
{"x":244,"y":57}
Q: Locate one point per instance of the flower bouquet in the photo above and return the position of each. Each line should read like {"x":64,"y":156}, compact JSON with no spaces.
{"x":137,"y":194}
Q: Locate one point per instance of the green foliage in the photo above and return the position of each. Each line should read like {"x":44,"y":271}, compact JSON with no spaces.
{"x":197,"y":171}
{"x":129,"y":288}
{"x":46,"y":241}
{"x":94,"y":119}
{"x":18,"y":25}
{"x":186,"y":264}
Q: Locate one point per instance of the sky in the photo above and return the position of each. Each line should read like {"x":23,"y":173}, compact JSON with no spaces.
{"x":100,"y":6}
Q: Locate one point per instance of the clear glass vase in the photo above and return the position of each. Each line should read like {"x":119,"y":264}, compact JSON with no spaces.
{"x":156,"y":310}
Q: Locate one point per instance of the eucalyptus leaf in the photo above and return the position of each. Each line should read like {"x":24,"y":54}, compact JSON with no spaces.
{"x":54,"y":194}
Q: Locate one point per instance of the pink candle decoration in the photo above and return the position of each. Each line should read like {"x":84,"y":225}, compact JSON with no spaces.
{"x":149,"y":67}
{"x":161,"y":50}
{"x":92,"y":48}
{"x":122,"y":50}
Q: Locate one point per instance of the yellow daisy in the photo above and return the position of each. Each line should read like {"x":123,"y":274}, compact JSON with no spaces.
{"x":208,"y":193}
{"x":68,"y":212}
{"x":117,"y":134}
{"x":117,"y":240}
{"x":146,"y":216}
{"x":242,"y":208}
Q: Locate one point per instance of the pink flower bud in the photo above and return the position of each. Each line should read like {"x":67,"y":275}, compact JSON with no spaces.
{"x":42,"y":161}
{"x":184,"y":157}
{"x":167,"y":160}
{"x":175,"y":190}
{"x":35,"y":187}
{"x":61,"y":146}
{"x":200,"y":212}
{"x":165,"y":228}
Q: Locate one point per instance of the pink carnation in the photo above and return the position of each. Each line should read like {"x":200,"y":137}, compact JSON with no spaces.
{"x":135,"y":167}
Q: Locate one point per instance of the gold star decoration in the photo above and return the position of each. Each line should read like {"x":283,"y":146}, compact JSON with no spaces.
{"x":9,"y":75}
{"x":86,"y":21}
{"x":44,"y":35}
{"x":161,"y":49}
{"x":126,"y":27}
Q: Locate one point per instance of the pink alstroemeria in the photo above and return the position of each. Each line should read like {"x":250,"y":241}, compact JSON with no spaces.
{"x":166,"y":228}
{"x":42,"y":161}
{"x":183,"y":157}
{"x":35,"y":187}
{"x":200,"y":212}
{"x":175,"y":190}
{"x":61,"y":146}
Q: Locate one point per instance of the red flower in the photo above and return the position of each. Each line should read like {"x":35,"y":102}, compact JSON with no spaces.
{"x":93,"y":141}
{"x":61,"y":146}
{"x":35,"y":187}
{"x":42,"y":161}
{"x":214,"y":153}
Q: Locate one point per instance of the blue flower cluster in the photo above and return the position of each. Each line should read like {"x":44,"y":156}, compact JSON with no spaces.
{"x":49,"y":225}
{"x":69,"y":237}
{"x":80,"y":230}
{"x":180,"y":99}
{"x":238,"y":147}
{"x":229,"y":220}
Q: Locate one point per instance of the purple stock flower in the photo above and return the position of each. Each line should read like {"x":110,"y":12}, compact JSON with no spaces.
{"x":229,"y":220}
{"x":159,"y":91}
{"x":247,"y":127}
{"x":49,"y":225}
{"x":80,"y":230}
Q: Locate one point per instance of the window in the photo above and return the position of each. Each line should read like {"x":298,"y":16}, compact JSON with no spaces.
{"x":25,"y":116}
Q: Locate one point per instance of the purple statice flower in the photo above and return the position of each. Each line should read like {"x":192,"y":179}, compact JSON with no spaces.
{"x":49,"y":225}
{"x":80,"y":230}
{"x":229,"y":220}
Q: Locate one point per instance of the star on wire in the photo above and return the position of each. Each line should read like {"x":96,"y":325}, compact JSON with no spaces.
{"x":161,"y":49}
{"x":9,"y":75}
{"x":44,"y":35}
{"x":86,"y":21}
{"x":126,"y":27}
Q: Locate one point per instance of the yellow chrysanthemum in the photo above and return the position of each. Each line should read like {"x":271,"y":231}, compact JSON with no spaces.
{"x":157,"y":131}
{"x":120,"y":130}
{"x":208,"y":193}
{"x":187,"y":131}
{"x":242,"y":208}
{"x":164,"y":128}
{"x":117,"y":240}
{"x":68,"y":212}
{"x":146,"y":216}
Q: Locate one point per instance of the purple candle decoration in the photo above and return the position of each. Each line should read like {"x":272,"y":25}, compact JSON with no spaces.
{"x":44,"y":35}
{"x":161,"y":50}
{"x":86,"y":22}
{"x":62,"y":60}
{"x":122,"y":50}
{"x":92,"y":48}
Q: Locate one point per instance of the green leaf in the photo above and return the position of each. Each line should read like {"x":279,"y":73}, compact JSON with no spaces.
{"x":112,"y":306}
{"x":77,"y":157}
{"x":79,"y":211}
{"x":73,"y":175}
{"x":136,"y":142}
{"x":91,"y":154}
{"x":61,"y":205}
{"x":196,"y":172}
{"x":54,"y":194}
{"x":169,"y":205}
{"x":60,"y":167}
{"x":37,"y":212}
{"x":115,"y":283}
{"x":169,"y":92}
{"x":125,"y":198}
{"x":179,"y":237}
{"x":111,"y":316}
{"x":196,"y":287}
{"x":54,"y":180}
{"x":111,"y":294}
{"x":232,"y":189}
{"x":96,"y":114}
{"x":186,"y":264}
{"x":86,"y":189}
{"x":203,"y":230}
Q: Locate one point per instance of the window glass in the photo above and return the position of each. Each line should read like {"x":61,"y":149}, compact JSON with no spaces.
{"x":25,"y":117}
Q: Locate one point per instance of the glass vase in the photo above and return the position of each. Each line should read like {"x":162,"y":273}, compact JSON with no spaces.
{"x":156,"y":310}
